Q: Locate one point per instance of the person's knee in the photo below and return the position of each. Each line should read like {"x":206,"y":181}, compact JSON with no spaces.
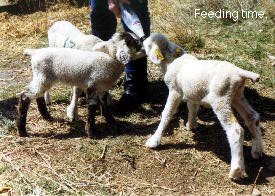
{"x":103,"y":21}
{"x":138,"y":65}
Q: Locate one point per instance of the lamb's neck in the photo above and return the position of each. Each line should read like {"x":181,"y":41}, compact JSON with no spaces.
{"x":112,"y":52}
{"x":164,"y":66}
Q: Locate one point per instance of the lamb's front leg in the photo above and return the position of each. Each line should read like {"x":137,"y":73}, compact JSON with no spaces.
{"x":72,"y":108}
{"x":34,"y":91}
{"x":170,"y":108}
{"x":235,"y":136}
{"x":103,"y":98}
{"x":42,"y":107}
{"x":92,"y":101}
{"x":192,"y":114}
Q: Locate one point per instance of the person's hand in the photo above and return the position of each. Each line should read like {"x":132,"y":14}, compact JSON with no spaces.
{"x":114,"y":6}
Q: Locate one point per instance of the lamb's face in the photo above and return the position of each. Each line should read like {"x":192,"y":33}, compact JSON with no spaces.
{"x":123,"y":53}
{"x":154,"y":46}
{"x":159,"y":49}
{"x":127,"y":46}
{"x":122,"y":46}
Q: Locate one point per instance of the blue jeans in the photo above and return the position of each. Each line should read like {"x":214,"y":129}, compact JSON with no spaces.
{"x":104,"y":25}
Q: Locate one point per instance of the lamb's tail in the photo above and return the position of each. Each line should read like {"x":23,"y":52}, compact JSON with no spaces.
{"x":29,"y":52}
{"x":250,"y":75}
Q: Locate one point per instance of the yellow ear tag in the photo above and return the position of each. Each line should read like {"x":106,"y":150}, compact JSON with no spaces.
{"x":232,"y":118}
{"x":158,"y":54}
{"x":178,"y":52}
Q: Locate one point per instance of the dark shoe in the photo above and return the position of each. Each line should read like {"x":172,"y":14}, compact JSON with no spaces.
{"x":134,"y":91}
{"x":128,"y":102}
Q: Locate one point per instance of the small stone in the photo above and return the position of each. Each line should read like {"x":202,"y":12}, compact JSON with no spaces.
{"x":256,"y":192}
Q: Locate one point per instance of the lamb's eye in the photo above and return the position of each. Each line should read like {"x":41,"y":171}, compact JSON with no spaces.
{"x":123,"y":57}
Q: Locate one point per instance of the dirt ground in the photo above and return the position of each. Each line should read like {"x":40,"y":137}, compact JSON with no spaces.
{"x":58,"y":158}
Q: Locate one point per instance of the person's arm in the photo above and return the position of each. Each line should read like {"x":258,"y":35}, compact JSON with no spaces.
{"x":114,"y":6}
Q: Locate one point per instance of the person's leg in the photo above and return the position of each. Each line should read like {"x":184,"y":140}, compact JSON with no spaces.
{"x":103,"y":21}
{"x":136,"y":71}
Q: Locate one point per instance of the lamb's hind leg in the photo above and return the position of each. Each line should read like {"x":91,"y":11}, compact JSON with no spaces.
{"x":252,"y":121}
{"x":235,"y":136}
{"x":170,"y":108}
{"x":34,"y":91}
{"x":21,"y":116}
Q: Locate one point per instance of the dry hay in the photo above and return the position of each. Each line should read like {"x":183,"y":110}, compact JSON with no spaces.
{"x":21,"y":31}
{"x":58,"y":159}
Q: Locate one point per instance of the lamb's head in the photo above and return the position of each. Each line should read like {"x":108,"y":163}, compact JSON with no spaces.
{"x":160,"y":50}
{"x":121,"y":46}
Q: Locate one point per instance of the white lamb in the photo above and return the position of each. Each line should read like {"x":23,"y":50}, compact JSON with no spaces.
{"x":219,"y":84}
{"x":94,"y":72}
{"x":63,"y":34}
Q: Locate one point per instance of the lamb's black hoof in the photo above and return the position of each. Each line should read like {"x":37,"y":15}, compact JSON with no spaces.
{"x":23,"y":134}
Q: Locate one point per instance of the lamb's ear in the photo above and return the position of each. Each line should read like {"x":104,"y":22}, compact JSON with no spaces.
{"x":176,"y":50}
{"x":69,"y":44}
{"x":156,"y":56}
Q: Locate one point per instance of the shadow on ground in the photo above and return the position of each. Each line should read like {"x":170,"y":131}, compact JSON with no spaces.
{"x":30,"y":6}
{"x":213,"y":139}
{"x":8,"y":108}
{"x":103,"y":130}
{"x":264,"y":105}
{"x":156,"y":98}
{"x":207,"y":137}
